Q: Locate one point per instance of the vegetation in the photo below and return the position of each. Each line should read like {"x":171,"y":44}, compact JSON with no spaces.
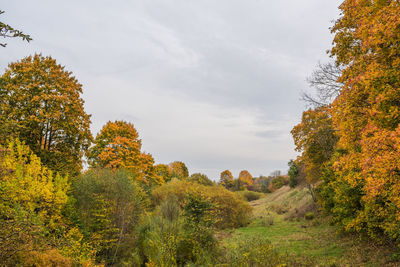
{"x":40,"y":104}
{"x":339,"y":205}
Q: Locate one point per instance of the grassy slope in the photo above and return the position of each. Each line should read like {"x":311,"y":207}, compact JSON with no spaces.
{"x":314,"y":239}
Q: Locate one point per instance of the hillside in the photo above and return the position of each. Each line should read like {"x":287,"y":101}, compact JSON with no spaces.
{"x":313,"y":240}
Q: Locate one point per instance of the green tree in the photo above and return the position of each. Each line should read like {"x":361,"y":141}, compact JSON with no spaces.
{"x":293,"y":172}
{"x":200,"y":179}
{"x":40,"y":104}
{"x":109,"y":205}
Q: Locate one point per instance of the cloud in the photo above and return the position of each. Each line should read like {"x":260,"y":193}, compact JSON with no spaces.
{"x":215,"y":84}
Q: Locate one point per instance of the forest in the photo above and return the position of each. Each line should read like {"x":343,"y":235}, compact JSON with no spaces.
{"x":72,"y":198}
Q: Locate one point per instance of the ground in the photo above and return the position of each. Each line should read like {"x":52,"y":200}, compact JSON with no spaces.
{"x":325,"y":244}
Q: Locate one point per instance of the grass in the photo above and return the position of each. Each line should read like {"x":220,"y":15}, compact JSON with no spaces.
{"x":314,"y":239}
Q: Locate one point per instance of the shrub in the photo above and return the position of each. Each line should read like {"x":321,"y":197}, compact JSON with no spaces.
{"x":185,"y":240}
{"x":309,"y":216}
{"x":228,"y":209}
{"x":278,"y":208}
{"x":250,"y":195}
{"x":109,"y":205}
{"x":200,"y":179}
{"x":268,"y":220}
{"x":277,"y":183}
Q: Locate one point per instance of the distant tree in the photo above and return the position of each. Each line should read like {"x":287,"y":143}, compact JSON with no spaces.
{"x":7,"y":31}
{"x":200,"y":179}
{"x":226,"y":179}
{"x":118,"y":146}
{"x":245,"y":178}
{"x":41,"y":104}
{"x":276,"y":173}
{"x":163,"y":171}
{"x":179,"y":170}
{"x":293,"y":172}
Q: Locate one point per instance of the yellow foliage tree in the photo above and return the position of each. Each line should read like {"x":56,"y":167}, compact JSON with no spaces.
{"x":32,"y":199}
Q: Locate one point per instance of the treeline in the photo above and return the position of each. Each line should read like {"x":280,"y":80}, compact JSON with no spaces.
{"x":349,"y":141}
{"x":124,"y":210}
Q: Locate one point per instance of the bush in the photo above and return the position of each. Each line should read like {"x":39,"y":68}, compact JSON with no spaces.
{"x":309,"y":216}
{"x":184,"y":240}
{"x":277,"y":183}
{"x":228,"y":209}
{"x":200,"y":179}
{"x":268,"y":220}
{"x":109,"y":205}
{"x":250,"y":195}
{"x":278,"y":208}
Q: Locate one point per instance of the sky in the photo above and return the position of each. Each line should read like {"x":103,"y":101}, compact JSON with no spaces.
{"x":213,"y":83}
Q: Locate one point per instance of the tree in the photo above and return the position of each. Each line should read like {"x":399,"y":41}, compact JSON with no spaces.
{"x":226,"y":179}
{"x":179,"y":170}
{"x":32,"y":201}
{"x":293,"y":172}
{"x":316,"y":139}
{"x":40,"y":104}
{"x":200,"y":179}
{"x":365,"y":173}
{"x":118,"y":146}
{"x":109,"y":205}
{"x":325,"y":81}
{"x":7,"y":31}
{"x":245,"y":178}
{"x":163,"y":171}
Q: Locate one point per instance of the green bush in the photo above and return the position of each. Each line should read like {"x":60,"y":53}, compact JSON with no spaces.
{"x":250,"y":195}
{"x":109,"y":205}
{"x":166,"y":240}
{"x":228,"y":209}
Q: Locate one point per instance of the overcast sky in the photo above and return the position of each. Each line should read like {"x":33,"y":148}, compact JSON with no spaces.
{"x":213,"y":83}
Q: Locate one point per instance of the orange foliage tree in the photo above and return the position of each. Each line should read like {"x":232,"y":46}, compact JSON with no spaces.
{"x":245,"y":178}
{"x":365,"y":190}
{"x":40,"y":104}
{"x":118,"y":146}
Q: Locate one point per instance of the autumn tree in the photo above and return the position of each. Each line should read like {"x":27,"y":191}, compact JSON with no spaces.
{"x":315,"y":139}
{"x":226,"y":179}
{"x":32,"y":226}
{"x":6,"y":31}
{"x":245,"y":178}
{"x":179,"y":170}
{"x":118,"y":146}
{"x":163,"y":171}
{"x":364,"y":179}
{"x":41,"y":104}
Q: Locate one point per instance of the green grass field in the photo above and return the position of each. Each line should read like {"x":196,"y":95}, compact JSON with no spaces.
{"x":315,"y":239}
